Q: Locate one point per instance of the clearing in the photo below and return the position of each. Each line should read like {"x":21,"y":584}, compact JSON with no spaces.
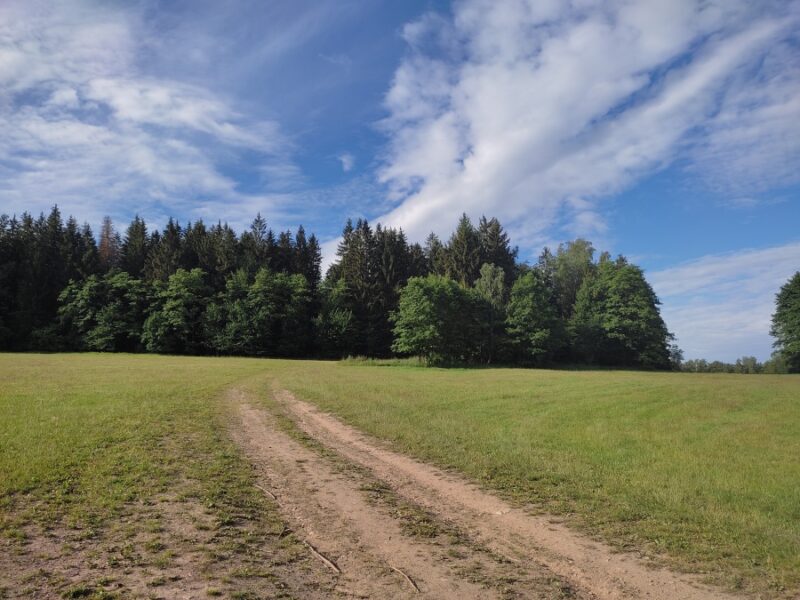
{"x":169,"y":477}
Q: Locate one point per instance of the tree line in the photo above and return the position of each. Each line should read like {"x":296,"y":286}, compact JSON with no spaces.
{"x":199,"y":289}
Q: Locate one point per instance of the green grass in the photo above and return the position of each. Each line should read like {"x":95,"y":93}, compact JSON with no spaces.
{"x":111,"y":453}
{"x":703,"y":468}
{"x":89,"y":433}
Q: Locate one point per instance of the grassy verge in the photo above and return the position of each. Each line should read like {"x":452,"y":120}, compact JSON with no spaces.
{"x":120,"y":468}
{"x":701,"y":469}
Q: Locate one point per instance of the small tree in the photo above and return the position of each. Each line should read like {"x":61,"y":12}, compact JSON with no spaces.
{"x":786,"y":323}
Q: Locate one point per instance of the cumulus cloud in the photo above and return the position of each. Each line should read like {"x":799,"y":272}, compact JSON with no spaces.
{"x":720,"y":306}
{"x":535,"y":111}
{"x":83,"y":125}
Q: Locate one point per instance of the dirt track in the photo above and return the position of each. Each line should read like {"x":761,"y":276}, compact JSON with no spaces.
{"x":490,"y":549}
{"x":335,"y":510}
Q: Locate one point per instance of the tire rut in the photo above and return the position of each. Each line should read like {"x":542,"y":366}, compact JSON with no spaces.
{"x":328,"y":506}
{"x":591,"y":567}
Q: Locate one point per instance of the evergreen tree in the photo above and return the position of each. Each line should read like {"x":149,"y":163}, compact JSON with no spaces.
{"x":257,"y":246}
{"x":224,"y":254}
{"x":133,"y":253}
{"x":464,"y":253}
{"x":496,"y":248}
{"x":335,"y":323}
{"x":164,"y":258}
{"x":435,"y":255}
{"x":786,"y":323}
{"x":109,"y":246}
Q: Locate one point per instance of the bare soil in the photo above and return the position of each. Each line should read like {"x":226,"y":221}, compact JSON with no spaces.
{"x":539,"y":548}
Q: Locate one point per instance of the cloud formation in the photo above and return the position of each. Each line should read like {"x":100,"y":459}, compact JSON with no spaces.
{"x":86,"y":127}
{"x":720,"y":306}
{"x":535,"y":111}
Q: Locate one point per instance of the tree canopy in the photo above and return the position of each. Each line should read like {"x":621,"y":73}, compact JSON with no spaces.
{"x":198,"y":289}
{"x":786,"y":323}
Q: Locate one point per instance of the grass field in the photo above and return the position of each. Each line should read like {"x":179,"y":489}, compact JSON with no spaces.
{"x":705,"y":468}
{"x":702,"y":468}
{"x":108,"y":461}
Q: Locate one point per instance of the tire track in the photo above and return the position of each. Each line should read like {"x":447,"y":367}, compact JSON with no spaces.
{"x":591,"y":567}
{"x":327,"y":506}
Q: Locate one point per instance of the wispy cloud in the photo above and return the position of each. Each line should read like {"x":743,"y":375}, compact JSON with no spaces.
{"x":347,"y":160}
{"x":536,"y":111}
{"x":83,"y":126}
{"x":720,"y":306}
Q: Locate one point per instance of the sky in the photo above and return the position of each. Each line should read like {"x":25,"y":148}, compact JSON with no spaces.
{"x":665,"y":131}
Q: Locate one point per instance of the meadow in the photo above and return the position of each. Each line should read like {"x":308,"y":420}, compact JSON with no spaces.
{"x":698,"y":471}
{"x":118,"y":479}
{"x":702,"y":469}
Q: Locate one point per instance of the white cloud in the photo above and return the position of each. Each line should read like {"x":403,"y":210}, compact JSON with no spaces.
{"x":348,"y":161}
{"x":720,"y":306}
{"x":535,"y":111}
{"x":83,"y":125}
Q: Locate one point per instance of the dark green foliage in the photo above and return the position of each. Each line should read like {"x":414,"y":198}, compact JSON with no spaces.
{"x":133,"y":253}
{"x":464,"y":253}
{"x":534,"y":327}
{"x":438,"y":319}
{"x":104,"y":313}
{"x":198,"y":289}
{"x":435,"y":256}
{"x":616,"y":319}
{"x":227,"y":320}
{"x":165,"y":254}
{"x":786,"y":323}
{"x":491,"y":288}
{"x":364,"y":286}
{"x":335,"y":323}
{"x":173,"y":326}
{"x":569,"y":268}
{"x":496,"y":248}
{"x":278,"y":306}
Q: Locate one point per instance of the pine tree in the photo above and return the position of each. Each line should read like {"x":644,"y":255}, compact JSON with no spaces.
{"x":464,"y":253}
{"x":109,"y":246}
{"x":496,"y":248}
{"x":164,"y":257}
{"x":133,"y":253}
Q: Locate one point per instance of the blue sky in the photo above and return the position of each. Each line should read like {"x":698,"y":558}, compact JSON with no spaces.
{"x":666,"y":131}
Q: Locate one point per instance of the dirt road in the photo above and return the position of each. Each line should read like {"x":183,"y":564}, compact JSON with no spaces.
{"x":395,"y":527}
{"x":379,"y":545}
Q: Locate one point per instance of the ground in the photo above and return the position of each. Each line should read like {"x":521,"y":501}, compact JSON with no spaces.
{"x":133,"y":476}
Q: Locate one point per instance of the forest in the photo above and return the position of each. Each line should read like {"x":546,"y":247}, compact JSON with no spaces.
{"x":200,"y":289}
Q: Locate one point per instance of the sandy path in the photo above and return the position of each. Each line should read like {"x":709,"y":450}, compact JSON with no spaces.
{"x":591,"y":567}
{"x":327,"y":506}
